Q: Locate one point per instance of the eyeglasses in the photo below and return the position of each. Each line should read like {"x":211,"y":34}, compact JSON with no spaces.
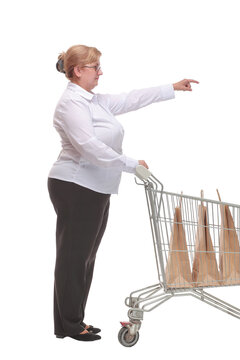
{"x":96,"y":67}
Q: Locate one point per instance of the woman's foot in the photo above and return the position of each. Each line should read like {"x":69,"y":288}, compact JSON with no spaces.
{"x":91,"y":328}
{"x":83,"y":336}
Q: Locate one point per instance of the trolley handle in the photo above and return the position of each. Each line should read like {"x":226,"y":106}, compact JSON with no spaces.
{"x":142,"y":172}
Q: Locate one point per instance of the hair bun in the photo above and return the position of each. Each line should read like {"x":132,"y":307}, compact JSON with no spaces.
{"x":60,"y":66}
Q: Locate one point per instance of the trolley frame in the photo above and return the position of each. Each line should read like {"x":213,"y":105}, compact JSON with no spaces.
{"x":150,"y":297}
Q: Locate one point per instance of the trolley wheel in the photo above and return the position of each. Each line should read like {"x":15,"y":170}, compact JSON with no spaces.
{"x":126,"y":339}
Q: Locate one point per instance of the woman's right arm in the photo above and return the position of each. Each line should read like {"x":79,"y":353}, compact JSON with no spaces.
{"x":137,"y":99}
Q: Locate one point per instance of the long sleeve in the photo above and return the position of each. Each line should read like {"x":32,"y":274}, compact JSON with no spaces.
{"x":92,"y":138}
{"x":136,"y":99}
{"x":76,"y":122}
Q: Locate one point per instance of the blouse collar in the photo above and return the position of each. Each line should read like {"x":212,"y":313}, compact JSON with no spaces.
{"x":84,"y":93}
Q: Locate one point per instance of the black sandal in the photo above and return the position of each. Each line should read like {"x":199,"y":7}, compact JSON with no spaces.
{"x":91,"y":328}
{"x":82,"y":337}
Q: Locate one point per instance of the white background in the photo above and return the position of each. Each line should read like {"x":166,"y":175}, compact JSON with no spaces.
{"x":190,"y":143}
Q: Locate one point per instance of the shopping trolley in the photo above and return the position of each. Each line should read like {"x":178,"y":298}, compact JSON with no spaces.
{"x":196,"y":245}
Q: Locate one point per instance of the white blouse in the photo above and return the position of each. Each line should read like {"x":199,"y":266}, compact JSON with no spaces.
{"x":92,"y":137}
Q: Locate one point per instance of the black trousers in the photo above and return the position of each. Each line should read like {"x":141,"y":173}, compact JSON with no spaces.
{"x":81,"y":221}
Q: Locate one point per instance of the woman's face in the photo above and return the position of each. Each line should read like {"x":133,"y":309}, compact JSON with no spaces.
{"x":89,"y":75}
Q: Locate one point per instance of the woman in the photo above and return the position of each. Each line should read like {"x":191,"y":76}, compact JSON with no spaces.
{"x":86,"y":173}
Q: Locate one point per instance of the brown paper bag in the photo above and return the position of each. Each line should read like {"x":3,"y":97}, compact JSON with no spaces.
{"x":178,"y":270}
{"x":205,"y":268}
{"x":229,"y":255}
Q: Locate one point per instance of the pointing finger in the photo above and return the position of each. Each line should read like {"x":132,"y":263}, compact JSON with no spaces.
{"x":194,"y":81}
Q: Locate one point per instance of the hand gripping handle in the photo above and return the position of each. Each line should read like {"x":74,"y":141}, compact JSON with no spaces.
{"x":142,"y":172}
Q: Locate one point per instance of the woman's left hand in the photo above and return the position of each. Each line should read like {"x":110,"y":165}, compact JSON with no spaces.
{"x":184,"y":85}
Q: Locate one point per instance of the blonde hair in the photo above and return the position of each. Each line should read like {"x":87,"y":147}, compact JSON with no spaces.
{"x":76,"y":55}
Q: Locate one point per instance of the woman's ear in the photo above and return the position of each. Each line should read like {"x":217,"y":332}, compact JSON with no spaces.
{"x":77,"y":71}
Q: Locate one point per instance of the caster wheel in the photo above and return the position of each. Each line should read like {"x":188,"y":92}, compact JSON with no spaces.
{"x":127,"y":339}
